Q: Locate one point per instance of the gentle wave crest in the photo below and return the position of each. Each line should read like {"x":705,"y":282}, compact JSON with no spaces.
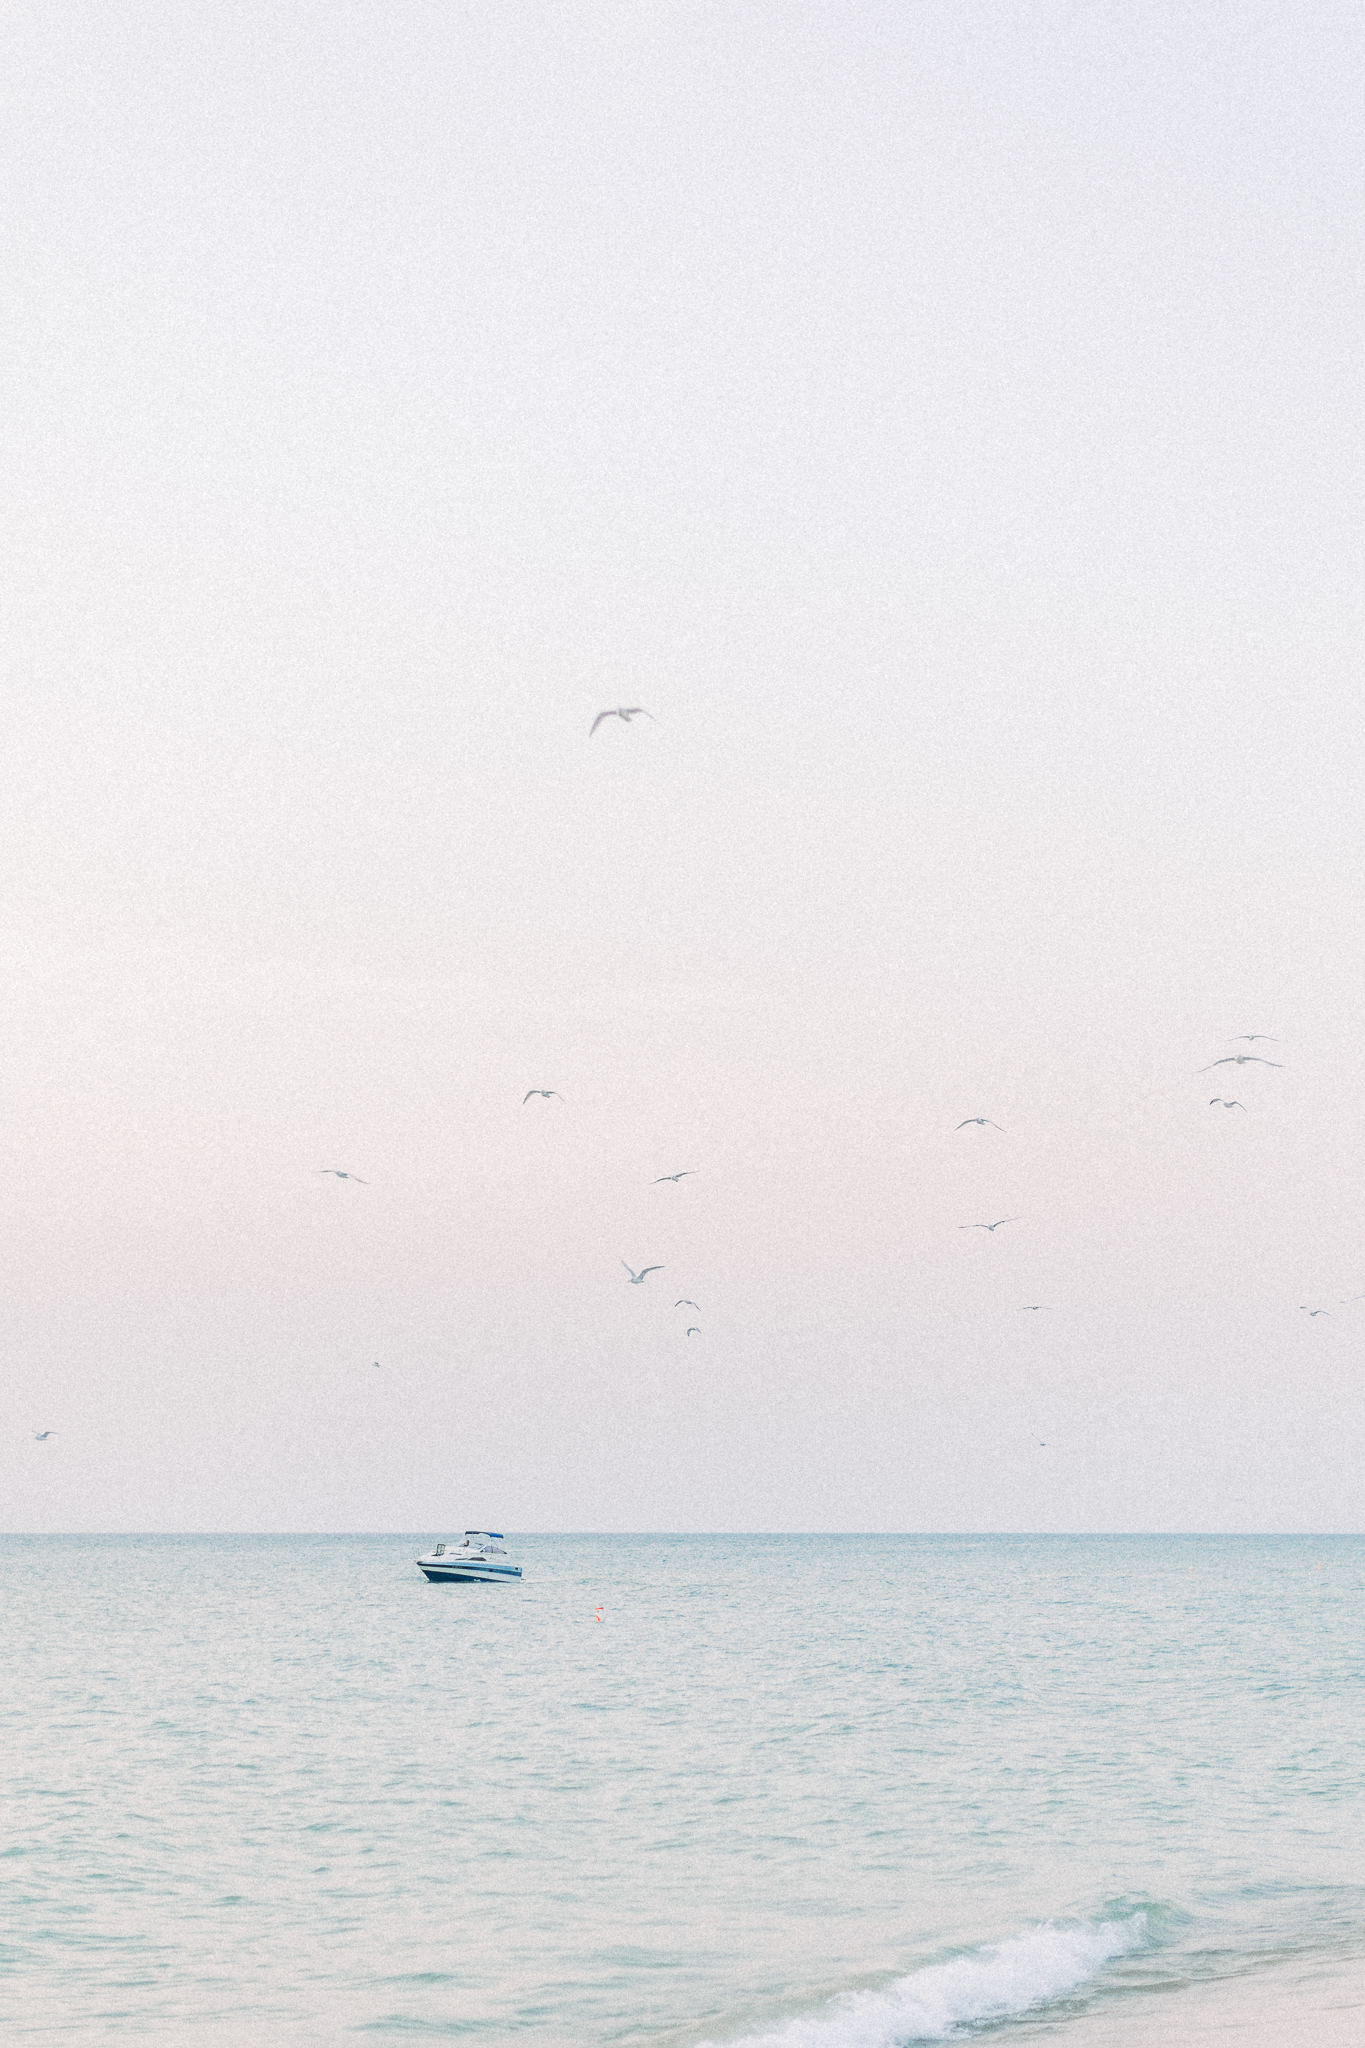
{"x":931,"y":2004}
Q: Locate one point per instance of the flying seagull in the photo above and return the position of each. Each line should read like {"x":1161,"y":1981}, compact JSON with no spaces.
{"x":1240,"y":1059}
{"x":980,"y":1120}
{"x":41,"y":1436}
{"x":1222,"y":1100}
{"x":988,"y":1226}
{"x":636,"y":1278}
{"x":635,"y":711}
{"x":546,"y":1092}
{"x":1034,"y":1307}
{"x":683,"y":1304}
{"x":1314,"y":1311}
{"x":686,"y":1174}
{"x":376,"y":1365}
{"x":1251,"y":1037}
{"x":692,"y":1330}
{"x":340,"y":1175}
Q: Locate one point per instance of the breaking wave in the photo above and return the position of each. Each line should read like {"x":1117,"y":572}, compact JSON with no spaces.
{"x":933,"y":2003}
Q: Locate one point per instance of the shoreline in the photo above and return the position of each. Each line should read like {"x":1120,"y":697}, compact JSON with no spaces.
{"x":1288,"y":2006}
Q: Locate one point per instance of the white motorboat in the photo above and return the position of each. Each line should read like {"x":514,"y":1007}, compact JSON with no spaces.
{"x":480,"y":1558}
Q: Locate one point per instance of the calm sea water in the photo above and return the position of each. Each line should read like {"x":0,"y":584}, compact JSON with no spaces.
{"x":823,"y":1792}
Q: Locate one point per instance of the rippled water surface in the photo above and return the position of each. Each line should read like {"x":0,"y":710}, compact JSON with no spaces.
{"x":829,"y":1792}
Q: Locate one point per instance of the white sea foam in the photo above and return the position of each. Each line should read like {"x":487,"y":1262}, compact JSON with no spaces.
{"x":933,"y":2003}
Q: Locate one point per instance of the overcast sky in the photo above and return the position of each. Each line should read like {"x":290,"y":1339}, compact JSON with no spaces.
{"x":946,"y":420}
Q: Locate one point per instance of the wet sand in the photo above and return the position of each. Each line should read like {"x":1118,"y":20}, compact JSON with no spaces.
{"x":1286,"y":2008}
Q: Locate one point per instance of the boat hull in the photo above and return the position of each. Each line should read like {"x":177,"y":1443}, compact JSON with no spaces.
{"x":440,"y":1573}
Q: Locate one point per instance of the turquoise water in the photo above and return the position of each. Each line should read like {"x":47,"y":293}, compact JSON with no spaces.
{"x":828,"y":1792}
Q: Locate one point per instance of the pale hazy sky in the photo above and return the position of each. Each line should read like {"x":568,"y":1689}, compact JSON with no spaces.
{"x":946,"y":419}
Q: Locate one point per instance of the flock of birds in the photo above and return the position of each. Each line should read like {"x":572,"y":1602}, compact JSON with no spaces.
{"x":637,"y":1278}
{"x":1231,"y":1059}
{"x":625,"y":713}
{"x":1240,"y":1059}
{"x":1256,"y":1059}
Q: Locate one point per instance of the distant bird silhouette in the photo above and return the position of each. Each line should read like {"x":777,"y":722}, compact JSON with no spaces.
{"x":546,"y":1092}
{"x":1224,"y":1103}
{"x":988,"y":1226}
{"x":1314,"y":1311}
{"x":625,"y":716}
{"x":636,"y":1278}
{"x":41,"y":1436}
{"x":683,"y":1304}
{"x":1253,"y":1037}
{"x":980,"y":1120}
{"x":692,"y":1331}
{"x":686,"y":1174}
{"x":1240,"y":1059}
{"x":376,"y":1365}
{"x":340,"y":1175}
{"x":1033,"y":1308}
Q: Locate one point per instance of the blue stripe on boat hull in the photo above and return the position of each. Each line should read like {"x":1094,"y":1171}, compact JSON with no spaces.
{"x":438,"y":1577}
